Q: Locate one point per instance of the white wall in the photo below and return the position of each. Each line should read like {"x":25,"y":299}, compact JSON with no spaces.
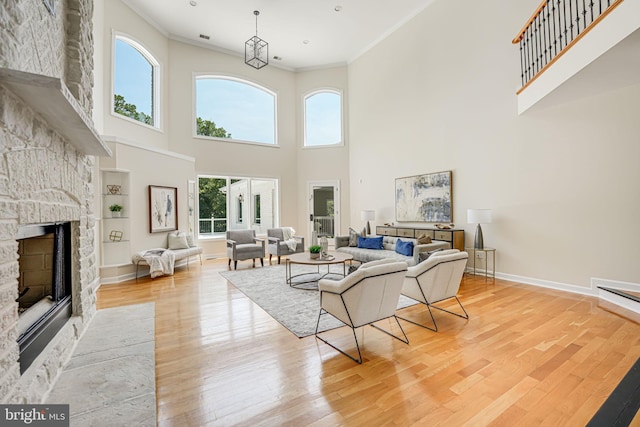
{"x":562,"y":182}
{"x":322,"y":163}
{"x":149,"y":167}
{"x":229,"y":158}
{"x":180,"y":62}
{"x":119,"y":18}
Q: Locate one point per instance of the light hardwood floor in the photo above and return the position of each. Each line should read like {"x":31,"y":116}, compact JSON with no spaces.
{"x":527,"y":356}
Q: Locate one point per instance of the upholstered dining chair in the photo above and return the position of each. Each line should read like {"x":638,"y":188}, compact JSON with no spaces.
{"x":366,"y":296}
{"x":279,"y":245}
{"x":243,"y":245}
{"x":434,"y":280}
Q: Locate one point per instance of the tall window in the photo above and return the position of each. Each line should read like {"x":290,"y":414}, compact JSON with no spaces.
{"x":235,"y":109}
{"x":135,"y":82}
{"x":323,"y":119}
{"x":224,"y":202}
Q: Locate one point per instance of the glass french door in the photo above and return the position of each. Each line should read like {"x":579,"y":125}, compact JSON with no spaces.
{"x":324,"y":208}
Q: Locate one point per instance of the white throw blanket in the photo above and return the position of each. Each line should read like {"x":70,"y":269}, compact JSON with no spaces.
{"x":287,"y":234}
{"x":161,"y":261}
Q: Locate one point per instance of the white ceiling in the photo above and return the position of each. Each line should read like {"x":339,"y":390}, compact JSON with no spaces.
{"x":332,"y":37}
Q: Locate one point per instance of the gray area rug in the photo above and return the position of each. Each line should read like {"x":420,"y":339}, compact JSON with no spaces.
{"x":296,"y":309}
{"x":110,"y":379}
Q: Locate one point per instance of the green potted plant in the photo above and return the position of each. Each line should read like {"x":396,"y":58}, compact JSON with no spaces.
{"x":116,"y":210}
{"x":314,"y":250}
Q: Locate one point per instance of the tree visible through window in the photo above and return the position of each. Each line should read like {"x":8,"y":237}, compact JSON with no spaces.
{"x":224,"y":203}
{"x":226,"y":107}
{"x":135,"y":79}
{"x":323,"y":119}
{"x":212,"y":203}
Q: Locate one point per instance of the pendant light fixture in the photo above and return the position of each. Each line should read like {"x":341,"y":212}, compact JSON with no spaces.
{"x":256,"y":50}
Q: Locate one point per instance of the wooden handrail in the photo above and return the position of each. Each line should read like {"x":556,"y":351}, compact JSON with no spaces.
{"x":615,"y":4}
{"x":517,"y":39}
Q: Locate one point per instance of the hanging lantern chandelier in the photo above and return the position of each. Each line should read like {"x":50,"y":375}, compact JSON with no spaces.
{"x":256,"y":50}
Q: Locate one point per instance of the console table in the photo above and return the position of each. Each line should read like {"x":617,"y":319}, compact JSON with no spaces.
{"x":454,"y":236}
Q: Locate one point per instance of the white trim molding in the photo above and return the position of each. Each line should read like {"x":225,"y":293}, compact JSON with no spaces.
{"x":576,"y":289}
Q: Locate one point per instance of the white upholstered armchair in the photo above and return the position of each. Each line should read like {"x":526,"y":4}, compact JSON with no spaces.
{"x":369,"y":294}
{"x":436,"y":279}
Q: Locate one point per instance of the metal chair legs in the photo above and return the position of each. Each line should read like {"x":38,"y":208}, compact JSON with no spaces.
{"x":433,"y":320}
{"x":355,"y":338}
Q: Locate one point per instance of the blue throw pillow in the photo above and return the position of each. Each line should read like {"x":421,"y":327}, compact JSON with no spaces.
{"x":370,"y":242}
{"x":404,"y":248}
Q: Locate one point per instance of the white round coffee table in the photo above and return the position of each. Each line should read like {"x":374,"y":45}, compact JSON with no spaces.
{"x":304,"y":258}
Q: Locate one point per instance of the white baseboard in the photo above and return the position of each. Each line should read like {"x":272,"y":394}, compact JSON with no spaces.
{"x":117,"y":279}
{"x":592,"y":291}
{"x":548,"y":284}
{"x":143,"y":272}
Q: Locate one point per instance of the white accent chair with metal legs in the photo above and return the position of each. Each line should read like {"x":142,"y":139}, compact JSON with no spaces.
{"x":366,"y":296}
{"x":434,"y":280}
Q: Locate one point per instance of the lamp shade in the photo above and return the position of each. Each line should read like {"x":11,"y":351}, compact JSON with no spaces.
{"x":479,"y":216}
{"x":368,"y":215}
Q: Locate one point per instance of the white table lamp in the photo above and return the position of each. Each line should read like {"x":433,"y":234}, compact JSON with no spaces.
{"x":479,"y":216}
{"x":368,"y":215}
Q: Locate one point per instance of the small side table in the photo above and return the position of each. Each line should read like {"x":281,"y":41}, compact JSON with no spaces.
{"x":473,"y":252}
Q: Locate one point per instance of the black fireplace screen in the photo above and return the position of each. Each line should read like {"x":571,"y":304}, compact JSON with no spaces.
{"x":44,"y":302}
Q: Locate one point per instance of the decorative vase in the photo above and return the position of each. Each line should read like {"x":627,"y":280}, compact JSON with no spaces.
{"x":116,"y":214}
{"x":314,"y":255}
{"x":324,"y":244}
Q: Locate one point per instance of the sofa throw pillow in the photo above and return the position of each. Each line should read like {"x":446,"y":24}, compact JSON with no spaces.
{"x":423,"y":239}
{"x":177,"y":241}
{"x":353,"y":237}
{"x":370,"y":242}
{"x":425,"y":255}
{"x":404,"y":248}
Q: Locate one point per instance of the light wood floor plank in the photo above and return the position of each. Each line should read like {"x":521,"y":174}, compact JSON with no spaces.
{"x":526,"y":356}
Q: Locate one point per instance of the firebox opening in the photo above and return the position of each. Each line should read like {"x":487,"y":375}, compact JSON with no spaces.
{"x":44,"y":289}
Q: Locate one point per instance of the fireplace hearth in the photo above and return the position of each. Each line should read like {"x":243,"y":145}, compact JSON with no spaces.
{"x":44,"y":286}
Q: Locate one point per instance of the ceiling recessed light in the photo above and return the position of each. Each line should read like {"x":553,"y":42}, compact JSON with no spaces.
{"x":305,"y":41}
{"x":193,"y":3}
{"x":338,"y":8}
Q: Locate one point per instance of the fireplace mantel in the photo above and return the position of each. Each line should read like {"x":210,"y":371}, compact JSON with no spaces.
{"x":50,"y":98}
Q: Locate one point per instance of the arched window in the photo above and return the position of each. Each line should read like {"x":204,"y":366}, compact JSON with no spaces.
{"x":323,"y":118}
{"x":135,"y":82}
{"x":234,"y":109}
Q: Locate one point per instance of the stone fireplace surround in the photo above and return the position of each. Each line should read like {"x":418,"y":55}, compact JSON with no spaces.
{"x":44,"y":176}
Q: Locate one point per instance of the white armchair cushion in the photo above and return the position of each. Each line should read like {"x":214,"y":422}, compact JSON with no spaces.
{"x":439,"y":277}
{"x":369,"y":294}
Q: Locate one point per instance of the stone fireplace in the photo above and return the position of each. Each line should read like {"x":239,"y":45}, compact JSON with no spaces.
{"x":47,"y":145}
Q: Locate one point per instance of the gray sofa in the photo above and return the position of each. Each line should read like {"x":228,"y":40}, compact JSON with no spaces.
{"x":389,"y":249}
